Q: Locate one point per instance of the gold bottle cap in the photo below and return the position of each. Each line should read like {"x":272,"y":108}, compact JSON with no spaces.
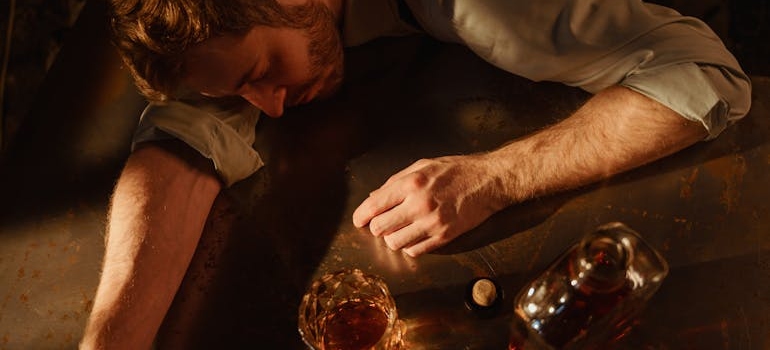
{"x":483,"y":296}
{"x":484,"y":292}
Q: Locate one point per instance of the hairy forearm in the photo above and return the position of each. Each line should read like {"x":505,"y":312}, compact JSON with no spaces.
{"x":158,"y":210}
{"x":616,"y":130}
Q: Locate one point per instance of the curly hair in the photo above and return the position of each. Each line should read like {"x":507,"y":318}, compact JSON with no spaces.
{"x":152,"y":35}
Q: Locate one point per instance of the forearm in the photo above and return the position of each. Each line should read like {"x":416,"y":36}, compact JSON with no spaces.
{"x":158,"y":210}
{"x":616,"y":130}
{"x":433,"y":201}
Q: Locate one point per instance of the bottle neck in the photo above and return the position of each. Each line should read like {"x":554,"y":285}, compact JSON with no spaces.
{"x":600,"y":265}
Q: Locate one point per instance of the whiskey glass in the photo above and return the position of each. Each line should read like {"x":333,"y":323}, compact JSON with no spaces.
{"x":349,"y":310}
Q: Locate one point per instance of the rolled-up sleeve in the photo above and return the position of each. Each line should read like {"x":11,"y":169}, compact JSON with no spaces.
{"x":593,"y":44}
{"x":222,"y":132}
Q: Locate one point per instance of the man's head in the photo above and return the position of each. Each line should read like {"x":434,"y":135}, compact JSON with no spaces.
{"x":271,"y":52}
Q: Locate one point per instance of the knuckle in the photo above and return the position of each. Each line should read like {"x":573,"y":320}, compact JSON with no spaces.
{"x":439,"y":229}
{"x":386,"y":224}
{"x":423,"y":161}
{"x":445,"y":216}
{"x":417,"y":180}
{"x":376,"y":226}
{"x":436,"y":222}
{"x":413,"y":252}
{"x":443,"y":235}
{"x":427,"y":206}
{"x":391,"y":242}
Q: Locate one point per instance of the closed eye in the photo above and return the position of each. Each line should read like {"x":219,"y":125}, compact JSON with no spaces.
{"x":253,"y":75}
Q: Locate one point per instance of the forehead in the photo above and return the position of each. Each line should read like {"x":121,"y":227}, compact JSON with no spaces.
{"x":218,"y":62}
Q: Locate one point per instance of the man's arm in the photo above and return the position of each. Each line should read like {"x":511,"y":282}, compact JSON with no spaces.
{"x":433,"y":201}
{"x":159,"y":207}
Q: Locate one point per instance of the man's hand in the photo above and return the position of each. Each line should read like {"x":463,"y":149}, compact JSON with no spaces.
{"x":432,"y":202}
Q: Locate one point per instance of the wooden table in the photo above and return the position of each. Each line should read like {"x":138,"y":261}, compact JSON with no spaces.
{"x":268,"y":236}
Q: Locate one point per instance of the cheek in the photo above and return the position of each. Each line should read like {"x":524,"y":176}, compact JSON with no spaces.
{"x":293,"y":66}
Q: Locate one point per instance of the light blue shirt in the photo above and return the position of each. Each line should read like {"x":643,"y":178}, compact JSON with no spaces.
{"x":591,"y":44}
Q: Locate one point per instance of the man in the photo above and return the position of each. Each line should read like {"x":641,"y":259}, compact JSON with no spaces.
{"x":661,"y":82}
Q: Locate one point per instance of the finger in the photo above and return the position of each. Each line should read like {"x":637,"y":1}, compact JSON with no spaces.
{"x":421,"y":247}
{"x":406,"y":171}
{"x":404,"y":237}
{"x":390,"y":221}
{"x":379,"y":201}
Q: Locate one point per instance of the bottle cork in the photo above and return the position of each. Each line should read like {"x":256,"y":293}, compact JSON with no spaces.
{"x":483,"y":296}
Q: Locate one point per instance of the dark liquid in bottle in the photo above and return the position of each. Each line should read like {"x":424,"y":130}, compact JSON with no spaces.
{"x":577,"y":318}
{"x":355,"y":325}
{"x":593,"y":299}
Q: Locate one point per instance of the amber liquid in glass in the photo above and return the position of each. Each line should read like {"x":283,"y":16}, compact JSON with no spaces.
{"x":354,"y":325}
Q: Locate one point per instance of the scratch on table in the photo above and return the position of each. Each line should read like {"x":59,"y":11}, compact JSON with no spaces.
{"x":486,"y":261}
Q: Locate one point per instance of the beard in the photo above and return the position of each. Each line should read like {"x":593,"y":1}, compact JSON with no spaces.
{"x":325,"y":52}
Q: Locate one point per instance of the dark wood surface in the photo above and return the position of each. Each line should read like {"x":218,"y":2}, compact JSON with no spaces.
{"x":704,"y":209}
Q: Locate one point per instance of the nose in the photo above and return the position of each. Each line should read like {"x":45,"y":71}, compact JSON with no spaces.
{"x":270,"y":99}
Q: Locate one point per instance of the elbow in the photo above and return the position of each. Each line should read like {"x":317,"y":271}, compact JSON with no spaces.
{"x":734,"y":88}
{"x":741,"y":100}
